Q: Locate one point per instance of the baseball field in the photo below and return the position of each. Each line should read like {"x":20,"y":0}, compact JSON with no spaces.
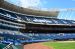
{"x":61,"y":44}
{"x":52,"y":45}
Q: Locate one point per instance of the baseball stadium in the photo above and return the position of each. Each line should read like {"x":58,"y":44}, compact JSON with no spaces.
{"x":29,"y":28}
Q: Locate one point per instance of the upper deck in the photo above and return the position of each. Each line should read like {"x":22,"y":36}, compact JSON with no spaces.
{"x":12,"y":7}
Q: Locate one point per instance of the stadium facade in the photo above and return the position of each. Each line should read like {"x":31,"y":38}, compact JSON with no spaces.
{"x":20,"y":25}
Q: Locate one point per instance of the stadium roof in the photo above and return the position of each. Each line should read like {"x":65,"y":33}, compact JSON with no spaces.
{"x":8,"y":6}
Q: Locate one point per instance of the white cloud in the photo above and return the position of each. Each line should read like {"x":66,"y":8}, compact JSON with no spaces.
{"x":30,"y":3}
{"x":26,"y":3}
{"x":33,"y":4}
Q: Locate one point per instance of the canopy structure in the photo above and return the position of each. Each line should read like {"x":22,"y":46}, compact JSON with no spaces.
{"x":12,"y":7}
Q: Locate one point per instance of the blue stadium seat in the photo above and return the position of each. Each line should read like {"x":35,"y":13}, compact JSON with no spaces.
{"x":30,"y":18}
{"x":11,"y":15}
{"x":2,"y":12}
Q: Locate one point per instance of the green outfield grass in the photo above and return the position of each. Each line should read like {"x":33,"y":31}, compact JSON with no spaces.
{"x":60,"y":45}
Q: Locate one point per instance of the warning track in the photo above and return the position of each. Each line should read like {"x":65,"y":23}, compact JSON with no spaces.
{"x":36,"y":46}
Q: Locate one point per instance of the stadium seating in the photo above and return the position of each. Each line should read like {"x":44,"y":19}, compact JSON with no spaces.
{"x":46,"y":20}
{"x":15,"y":16}
{"x":9,"y":30}
{"x":18,"y":38}
{"x":8,"y":15}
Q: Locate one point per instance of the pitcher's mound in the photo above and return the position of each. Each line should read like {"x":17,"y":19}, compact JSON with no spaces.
{"x":36,"y":46}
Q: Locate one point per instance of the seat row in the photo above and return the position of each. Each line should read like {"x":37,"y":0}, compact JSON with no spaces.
{"x":33,"y":19}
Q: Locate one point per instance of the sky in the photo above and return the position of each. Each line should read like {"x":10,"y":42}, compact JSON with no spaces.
{"x":49,"y":4}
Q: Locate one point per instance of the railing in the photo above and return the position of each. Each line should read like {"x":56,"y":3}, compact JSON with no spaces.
{"x":8,"y":46}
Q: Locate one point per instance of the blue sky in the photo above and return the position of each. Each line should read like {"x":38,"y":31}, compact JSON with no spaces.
{"x":49,"y":4}
{"x":59,"y":3}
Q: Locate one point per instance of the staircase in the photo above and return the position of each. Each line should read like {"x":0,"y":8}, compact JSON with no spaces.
{"x":10,"y":46}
